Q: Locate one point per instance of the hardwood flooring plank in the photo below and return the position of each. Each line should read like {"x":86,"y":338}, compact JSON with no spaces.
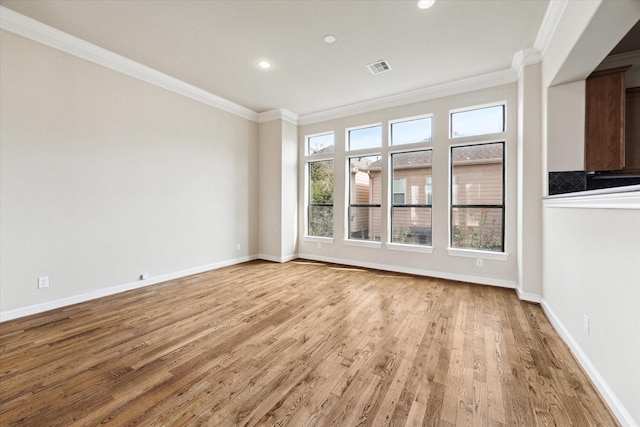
{"x":302,"y":344}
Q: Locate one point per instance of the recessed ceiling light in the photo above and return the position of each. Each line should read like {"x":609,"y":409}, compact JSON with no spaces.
{"x":426,"y":4}
{"x":264,"y":64}
{"x":329,"y":38}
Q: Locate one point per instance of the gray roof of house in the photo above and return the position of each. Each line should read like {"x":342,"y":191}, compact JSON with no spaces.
{"x":416,"y":159}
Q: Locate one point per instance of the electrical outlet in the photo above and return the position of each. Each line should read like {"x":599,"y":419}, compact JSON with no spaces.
{"x":144,"y":276}
{"x":43,"y":282}
{"x":479,"y":262}
{"x":585,"y":323}
{"x":237,"y":246}
{"x":319,"y":245}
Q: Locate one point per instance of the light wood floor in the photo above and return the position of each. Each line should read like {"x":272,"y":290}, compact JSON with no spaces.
{"x":297,"y":344}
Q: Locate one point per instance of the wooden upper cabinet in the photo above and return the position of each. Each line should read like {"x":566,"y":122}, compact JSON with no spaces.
{"x":605,"y":120}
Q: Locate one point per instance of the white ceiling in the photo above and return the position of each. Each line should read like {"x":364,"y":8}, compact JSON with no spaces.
{"x":215,"y":45}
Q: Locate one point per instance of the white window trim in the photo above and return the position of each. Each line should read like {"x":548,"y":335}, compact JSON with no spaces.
{"x":363,"y":243}
{"x":409,"y":248}
{"x":476,"y":253}
{"x":318,"y":239}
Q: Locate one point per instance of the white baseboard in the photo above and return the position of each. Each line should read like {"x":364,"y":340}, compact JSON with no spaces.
{"x":51,"y":305}
{"x":624,"y":417}
{"x":277,"y":259}
{"x":416,"y":271}
{"x":526,"y":296}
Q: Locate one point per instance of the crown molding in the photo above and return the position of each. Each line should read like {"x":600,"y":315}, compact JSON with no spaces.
{"x":41,"y":33}
{"x":446,"y":89}
{"x":549,"y":25}
{"x":278,"y":114}
{"x":521,"y":59}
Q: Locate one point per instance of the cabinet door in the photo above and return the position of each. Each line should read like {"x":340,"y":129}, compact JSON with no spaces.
{"x":632,"y":131}
{"x":604,"y":120}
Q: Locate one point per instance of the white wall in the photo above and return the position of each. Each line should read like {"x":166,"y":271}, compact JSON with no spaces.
{"x":565,"y":127}
{"x":591,"y":258}
{"x":439,"y":262}
{"x":592,"y":267}
{"x":278,"y":171}
{"x":270,"y":189}
{"x":289,"y":219}
{"x":530,"y":184}
{"x":105,"y":177}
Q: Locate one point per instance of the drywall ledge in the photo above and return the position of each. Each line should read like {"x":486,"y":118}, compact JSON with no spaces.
{"x":609,"y":198}
{"x":64,"y":302}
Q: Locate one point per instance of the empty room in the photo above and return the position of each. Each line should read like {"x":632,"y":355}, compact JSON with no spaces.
{"x":317,"y":212}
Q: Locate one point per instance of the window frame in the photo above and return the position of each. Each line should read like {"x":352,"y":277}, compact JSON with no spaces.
{"x":407,"y":246}
{"x":479,"y":107}
{"x":409,"y":119}
{"x":348,"y":239}
{"x":347,"y":139}
{"x":484,"y":253}
{"x":315,"y":135}
{"x":310,"y":204}
{"x":312,"y":158}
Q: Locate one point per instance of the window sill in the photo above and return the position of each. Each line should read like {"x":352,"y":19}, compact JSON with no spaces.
{"x":474,"y":253}
{"x":363,"y":243}
{"x":409,"y":248}
{"x":318,"y":239}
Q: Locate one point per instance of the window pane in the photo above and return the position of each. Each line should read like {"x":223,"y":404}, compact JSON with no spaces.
{"x":365,"y":223}
{"x":321,"y":221}
{"x":370,"y":137}
{"x":366,"y":181}
{"x":411,"y":226}
{"x":365,"y":184}
{"x":411,"y":174}
{"x":320,"y":144}
{"x":321,"y":182}
{"x":477,"y":174}
{"x":399,"y":191}
{"x":477,"y":228}
{"x":477,"y":122}
{"x":411,"y":131}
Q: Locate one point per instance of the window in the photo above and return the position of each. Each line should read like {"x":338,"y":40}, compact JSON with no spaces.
{"x":320,"y":182}
{"x":479,"y":121}
{"x":365,"y":184}
{"x":320,"y":213}
{"x":477,"y":197}
{"x":411,"y":131}
{"x":363,"y":138}
{"x":411,"y":213}
{"x":399,"y":191}
{"x":320,"y":144}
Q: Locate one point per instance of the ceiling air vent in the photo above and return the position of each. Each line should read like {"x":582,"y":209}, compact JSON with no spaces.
{"x":379,"y":67}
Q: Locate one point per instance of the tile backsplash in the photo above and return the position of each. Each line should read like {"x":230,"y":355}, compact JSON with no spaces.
{"x":567,"y":182}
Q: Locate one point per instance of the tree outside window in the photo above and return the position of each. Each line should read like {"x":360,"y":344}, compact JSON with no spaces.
{"x":321,"y":183}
